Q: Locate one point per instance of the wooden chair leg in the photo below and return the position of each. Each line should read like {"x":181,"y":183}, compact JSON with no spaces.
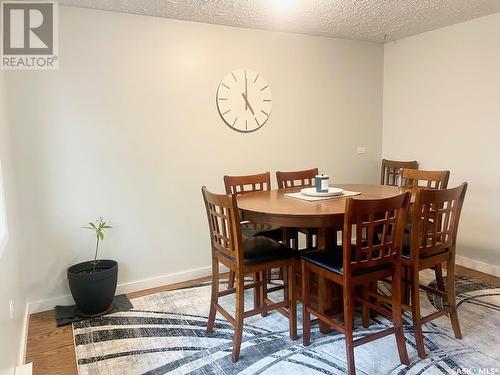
{"x":214,"y":296}
{"x":295,"y":239}
{"x":365,"y":315}
{"x":450,"y":286}
{"x":285,"y":282}
{"x":397,"y":316}
{"x":291,"y":238}
{"x":263,"y":289}
{"x":256,"y":291}
{"x":415,"y":313}
{"x":438,"y":271}
{"x":292,"y":297}
{"x":240,"y":309}
{"x":306,"y":316}
{"x":374,"y":288}
{"x":405,"y":295}
{"x":349,"y":327}
{"x":230,"y":280}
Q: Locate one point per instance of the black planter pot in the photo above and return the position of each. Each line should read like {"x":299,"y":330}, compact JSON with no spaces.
{"x":93,"y":292}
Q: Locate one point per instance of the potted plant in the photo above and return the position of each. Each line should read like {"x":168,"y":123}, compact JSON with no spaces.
{"x":93,"y":283}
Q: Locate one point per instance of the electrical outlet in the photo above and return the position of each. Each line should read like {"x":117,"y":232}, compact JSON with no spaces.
{"x":11,"y":309}
{"x":361,"y":150}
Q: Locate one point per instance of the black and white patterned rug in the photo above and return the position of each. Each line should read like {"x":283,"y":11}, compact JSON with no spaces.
{"x":166,"y":333}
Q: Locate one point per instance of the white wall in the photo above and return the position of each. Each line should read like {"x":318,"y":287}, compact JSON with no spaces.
{"x":442,"y":108}
{"x":128,"y":128}
{"x":11,"y":330}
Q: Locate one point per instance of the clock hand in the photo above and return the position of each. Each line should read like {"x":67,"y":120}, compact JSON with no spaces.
{"x":246,"y":91}
{"x":247,"y":103}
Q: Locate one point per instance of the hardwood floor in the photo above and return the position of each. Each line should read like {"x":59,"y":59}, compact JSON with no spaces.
{"x":52,"y":351}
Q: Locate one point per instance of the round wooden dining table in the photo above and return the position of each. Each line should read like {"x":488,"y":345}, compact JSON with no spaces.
{"x":273,"y":207}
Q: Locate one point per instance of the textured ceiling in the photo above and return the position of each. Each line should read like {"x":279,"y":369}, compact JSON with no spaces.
{"x":372,"y":20}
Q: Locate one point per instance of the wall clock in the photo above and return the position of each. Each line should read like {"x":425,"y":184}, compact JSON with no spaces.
{"x":244,"y":100}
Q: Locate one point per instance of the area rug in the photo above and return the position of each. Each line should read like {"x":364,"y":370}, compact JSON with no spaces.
{"x":166,"y":333}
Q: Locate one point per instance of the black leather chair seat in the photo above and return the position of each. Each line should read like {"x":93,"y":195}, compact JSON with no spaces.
{"x":331,"y":260}
{"x":260,"y":249}
{"x":249,"y":229}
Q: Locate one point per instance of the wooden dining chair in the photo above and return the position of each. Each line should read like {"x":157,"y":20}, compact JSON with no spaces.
{"x":296,"y":178}
{"x":390,"y":173}
{"x":299,"y":179}
{"x":431,"y":180}
{"x":361,"y":262}
{"x":430,"y":246}
{"x":252,"y":256}
{"x":238,"y":185}
{"x":246,"y":184}
{"x":427,"y":179}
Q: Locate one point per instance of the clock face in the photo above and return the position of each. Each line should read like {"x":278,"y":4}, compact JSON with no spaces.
{"x":244,"y":100}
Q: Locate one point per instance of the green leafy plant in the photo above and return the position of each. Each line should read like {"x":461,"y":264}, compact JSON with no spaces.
{"x":99,"y":227}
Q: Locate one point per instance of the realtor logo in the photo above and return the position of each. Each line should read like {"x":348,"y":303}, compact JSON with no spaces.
{"x":29,"y":37}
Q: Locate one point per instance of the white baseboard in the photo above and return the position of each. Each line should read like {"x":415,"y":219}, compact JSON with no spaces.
{"x":157,"y":281}
{"x":24,"y":337}
{"x":477,"y":265}
{"x":26,"y":369}
{"x":128,"y":287}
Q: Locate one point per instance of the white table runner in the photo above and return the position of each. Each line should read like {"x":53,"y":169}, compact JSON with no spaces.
{"x":308,"y":198}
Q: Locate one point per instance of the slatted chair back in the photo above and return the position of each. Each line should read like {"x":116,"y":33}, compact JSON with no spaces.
{"x":238,"y":185}
{"x":385,"y":216}
{"x":435,"y":218}
{"x":296,"y":179}
{"x":224,"y":225}
{"x":427,"y":179}
{"x":390,"y":173}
